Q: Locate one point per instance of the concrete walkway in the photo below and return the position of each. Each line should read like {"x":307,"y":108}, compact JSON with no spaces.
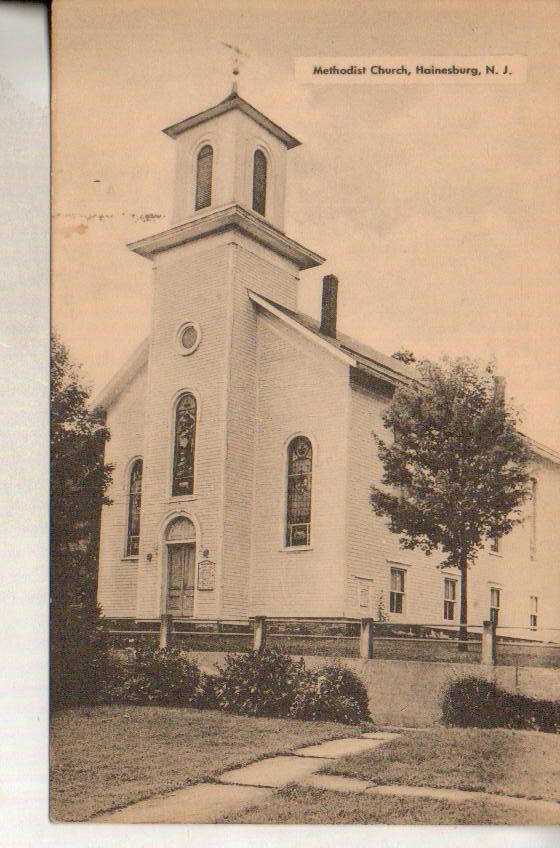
{"x":239,"y":788}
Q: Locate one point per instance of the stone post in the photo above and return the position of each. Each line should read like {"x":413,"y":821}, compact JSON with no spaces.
{"x":166,"y":631}
{"x":259,"y":633}
{"x":366,"y":638}
{"x":488,"y":656}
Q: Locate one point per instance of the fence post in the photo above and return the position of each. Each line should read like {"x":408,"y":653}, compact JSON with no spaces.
{"x":259,"y":633}
{"x":488,"y":656}
{"x":166,"y":631}
{"x":366,"y":638}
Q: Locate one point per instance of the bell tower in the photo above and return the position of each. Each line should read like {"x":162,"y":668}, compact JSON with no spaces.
{"x":231,"y":153}
{"x":226,"y":237}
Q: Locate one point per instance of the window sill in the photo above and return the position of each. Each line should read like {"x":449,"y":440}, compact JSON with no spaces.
{"x":179,"y":498}
{"x":130,"y":559}
{"x":295,"y":549}
{"x":496,"y":554}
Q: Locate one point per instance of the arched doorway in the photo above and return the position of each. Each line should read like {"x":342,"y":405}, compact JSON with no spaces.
{"x":180,"y":543}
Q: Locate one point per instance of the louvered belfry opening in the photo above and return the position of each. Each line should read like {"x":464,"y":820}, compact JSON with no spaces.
{"x":329,"y":305}
{"x":259,"y":182}
{"x":204,"y":177}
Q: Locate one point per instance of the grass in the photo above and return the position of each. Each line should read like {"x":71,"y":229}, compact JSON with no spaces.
{"x":303,"y":805}
{"x":106,"y":757}
{"x":506,"y":762}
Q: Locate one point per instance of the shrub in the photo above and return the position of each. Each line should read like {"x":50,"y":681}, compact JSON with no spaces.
{"x":474,"y":702}
{"x":333,"y":693}
{"x":206,"y":696}
{"x":258,"y":683}
{"x":162,"y":676}
{"x":81,"y":664}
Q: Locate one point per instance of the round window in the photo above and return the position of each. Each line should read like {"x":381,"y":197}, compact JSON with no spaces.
{"x":188,"y":337}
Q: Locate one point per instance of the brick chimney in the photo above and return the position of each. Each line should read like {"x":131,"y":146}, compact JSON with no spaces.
{"x":328,"y":307}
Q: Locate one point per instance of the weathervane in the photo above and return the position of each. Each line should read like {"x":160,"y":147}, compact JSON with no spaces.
{"x":236,"y":53}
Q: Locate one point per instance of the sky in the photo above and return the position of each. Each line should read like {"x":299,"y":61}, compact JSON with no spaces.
{"x":436,"y":206}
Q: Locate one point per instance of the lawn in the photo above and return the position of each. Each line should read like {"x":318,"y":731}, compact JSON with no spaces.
{"x":303,"y":805}
{"x":507,"y":762}
{"x":106,"y":757}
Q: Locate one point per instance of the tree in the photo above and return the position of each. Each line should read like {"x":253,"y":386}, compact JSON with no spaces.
{"x":404,"y":355}
{"x":79,"y":480}
{"x":457,"y":464}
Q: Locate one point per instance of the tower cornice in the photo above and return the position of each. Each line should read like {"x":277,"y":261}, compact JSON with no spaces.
{"x":231,"y":217}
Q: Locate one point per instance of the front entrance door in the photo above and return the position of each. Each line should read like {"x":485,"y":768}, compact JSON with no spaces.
{"x":180,"y":579}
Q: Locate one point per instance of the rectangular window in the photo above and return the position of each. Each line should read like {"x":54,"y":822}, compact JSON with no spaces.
{"x":396,"y":597}
{"x":363,"y":594}
{"x":534,"y":612}
{"x":449,"y":598}
{"x":495,"y":597}
{"x":495,"y":544}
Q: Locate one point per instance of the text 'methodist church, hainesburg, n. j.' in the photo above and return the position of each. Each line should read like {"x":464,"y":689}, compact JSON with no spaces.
{"x":241,"y":430}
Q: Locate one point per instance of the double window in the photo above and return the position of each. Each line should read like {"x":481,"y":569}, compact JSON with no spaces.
{"x":449,"y":598}
{"x":397,"y":593}
{"x":298,"y":502}
{"x":184,"y":445}
{"x":134,"y":503}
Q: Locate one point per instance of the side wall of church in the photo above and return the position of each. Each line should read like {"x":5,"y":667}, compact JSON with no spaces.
{"x":118,"y":574}
{"x":373,"y":550}
{"x":277,"y":281}
{"x":302,"y":390}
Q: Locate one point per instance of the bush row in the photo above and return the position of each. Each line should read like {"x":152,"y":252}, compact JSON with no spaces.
{"x":267,"y":683}
{"x":474,"y":702}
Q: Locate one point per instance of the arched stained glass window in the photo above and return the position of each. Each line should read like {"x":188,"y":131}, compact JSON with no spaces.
{"x":204,"y":177}
{"x":134,"y":503}
{"x":298,"y":517}
{"x":259,"y":182}
{"x":183,"y":453}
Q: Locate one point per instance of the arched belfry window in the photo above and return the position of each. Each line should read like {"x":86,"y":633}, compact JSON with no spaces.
{"x":184,"y":442}
{"x":204,"y":177}
{"x":298,"y":510}
{"x":259,"y":182}
{"x":134,"y":503}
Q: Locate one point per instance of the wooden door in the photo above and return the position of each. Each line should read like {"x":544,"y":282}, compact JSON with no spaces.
{"x":180,"y":579}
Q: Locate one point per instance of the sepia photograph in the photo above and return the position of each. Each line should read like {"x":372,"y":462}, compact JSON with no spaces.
{"x":305,"y":413}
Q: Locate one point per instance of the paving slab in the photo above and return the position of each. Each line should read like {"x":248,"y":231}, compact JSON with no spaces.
{"x":548,"y":809}
{"x":339,"y":747}
{"x":203,"y":803}
{"x":336,"y":783}
{"x":273,"y":772}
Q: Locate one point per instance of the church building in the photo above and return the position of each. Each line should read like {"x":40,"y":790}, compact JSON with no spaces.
{"x":241,"y":430}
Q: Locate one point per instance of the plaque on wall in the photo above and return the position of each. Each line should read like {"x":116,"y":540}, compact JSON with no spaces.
{"x":206,"y":575}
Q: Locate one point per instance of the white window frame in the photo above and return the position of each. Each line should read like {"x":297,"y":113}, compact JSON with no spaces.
{"x":533,"y":612}
{"x":395,"y":594}
{"x":448,"y":581}
{"x":495,"y":594}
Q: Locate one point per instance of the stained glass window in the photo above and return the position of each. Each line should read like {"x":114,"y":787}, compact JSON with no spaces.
{"x":298,"y":524}
{"x":183,"y":457}
{"x":259,"y":182}
{"x":134,"y":503}
{"x":204,"y":177}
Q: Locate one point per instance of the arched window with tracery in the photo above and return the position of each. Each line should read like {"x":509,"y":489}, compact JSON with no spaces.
{"x":298,"y":510}
{"x":204,"y":162}
{"x":259,"y":182}
{"x":134,"y":504}
{"x":184,"y":444}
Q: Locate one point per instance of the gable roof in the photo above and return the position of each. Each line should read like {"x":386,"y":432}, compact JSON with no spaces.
{"x":233,"y":101}
{"x":359,"y":355}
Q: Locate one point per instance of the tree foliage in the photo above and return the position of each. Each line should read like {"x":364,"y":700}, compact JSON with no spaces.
{"x":457,"y":468}
{"x":79,"y":480}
